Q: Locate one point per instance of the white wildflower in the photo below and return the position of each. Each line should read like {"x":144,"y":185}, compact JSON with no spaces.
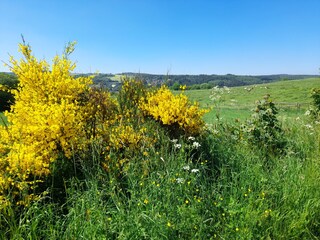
{"x":309,"y":126}
{"x":195,"y":170}
{"x":177,"y":146}
{"x":307,"y":113}
{"x":180,"y":180}
{"x":174,"y":140}
{"x":191,"y":138}
{"x":196,"y":145}
{"x":187,"y":168}
{"x":215,"y":132}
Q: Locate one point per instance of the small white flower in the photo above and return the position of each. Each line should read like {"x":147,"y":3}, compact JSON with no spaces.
{"x":178,"y":146}
{"x":307,"y":113}
{"x":195,"y":170}
{"x":215,"y":132}
{"x":187,"y":168}
{"x":113,"y":85}
{"x":174,"y":140}
{"x":196,"y":145}
{"x":309,"y":126}
{"x":180,"y":180}
{"x":191,"y":138}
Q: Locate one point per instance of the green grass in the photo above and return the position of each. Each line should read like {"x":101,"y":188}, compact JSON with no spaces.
{"x":234,"y":194}
{"x":116,"y":78}
{"x":291,"y":97}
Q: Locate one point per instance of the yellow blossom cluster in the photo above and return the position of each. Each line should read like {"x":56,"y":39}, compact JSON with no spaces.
{"x":126,"y":137}
{"x":174,"y":110}
{"x":45,"y":120}
{"x":58,"y":116}
{"x":132,"y":90}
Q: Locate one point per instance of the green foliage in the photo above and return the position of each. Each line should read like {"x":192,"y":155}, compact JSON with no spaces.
{"x":316,"y":98}
{"x":185,"y":195}
{"x":314,"y":111}
{"x":9,"y":81}
{"x":264,"y":130}
{"x":175,"y":86}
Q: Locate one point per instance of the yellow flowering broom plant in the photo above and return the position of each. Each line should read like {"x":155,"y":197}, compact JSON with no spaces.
{"x":45,"y":120}
{"x":174,"y":111}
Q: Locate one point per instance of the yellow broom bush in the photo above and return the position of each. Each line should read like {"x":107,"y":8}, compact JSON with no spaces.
{"x":45,"y":120}
{"x":56,"y":116}
{"x":175,"y":111}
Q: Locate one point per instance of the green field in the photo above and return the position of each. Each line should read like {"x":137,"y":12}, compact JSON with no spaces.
{"x":291,"y":97}
{"x":116,"y":78}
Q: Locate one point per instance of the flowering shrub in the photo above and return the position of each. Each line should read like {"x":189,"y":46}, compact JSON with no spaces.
{"x":174,"y":111}
{"x":264,"y":129}
{"x":57,"y":117}
{"x":99,"y":113}
{"x":45,"y":120}
{"x":132,"y":90}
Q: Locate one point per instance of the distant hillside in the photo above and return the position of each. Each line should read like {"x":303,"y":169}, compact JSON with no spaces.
{"x":201,"y":81}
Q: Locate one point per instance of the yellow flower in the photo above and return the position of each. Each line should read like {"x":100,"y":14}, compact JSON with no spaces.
{"x":173,"y":110}
{"x":46,"y":120}
{"x":183,"y":87}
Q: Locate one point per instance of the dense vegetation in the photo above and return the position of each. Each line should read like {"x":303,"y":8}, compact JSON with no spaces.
{"x":78,"y":162}
{"x":9,"y":82}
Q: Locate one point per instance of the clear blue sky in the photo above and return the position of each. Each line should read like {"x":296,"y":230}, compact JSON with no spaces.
{"x":169,"y":36}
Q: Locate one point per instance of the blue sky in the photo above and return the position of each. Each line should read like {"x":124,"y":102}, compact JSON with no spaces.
{"x":169,"y":36}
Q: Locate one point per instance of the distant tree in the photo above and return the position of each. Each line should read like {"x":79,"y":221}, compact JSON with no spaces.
{"x":9,"y":81}
{"x":175,"y":86}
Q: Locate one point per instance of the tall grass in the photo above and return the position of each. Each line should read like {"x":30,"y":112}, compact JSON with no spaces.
{"x":226,"y":190}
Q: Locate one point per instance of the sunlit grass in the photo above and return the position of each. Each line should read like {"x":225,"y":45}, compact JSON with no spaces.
{"x":291,"y":97}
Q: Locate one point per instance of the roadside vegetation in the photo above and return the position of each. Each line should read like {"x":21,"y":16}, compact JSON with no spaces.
{"x":78,"y":162}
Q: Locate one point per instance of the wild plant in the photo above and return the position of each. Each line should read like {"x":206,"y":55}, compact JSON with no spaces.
{"x":263,"y":130}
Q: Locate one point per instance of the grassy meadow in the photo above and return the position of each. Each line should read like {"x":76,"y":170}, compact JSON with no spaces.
{"x":292,"y":97}
{"x":224,"y":183}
